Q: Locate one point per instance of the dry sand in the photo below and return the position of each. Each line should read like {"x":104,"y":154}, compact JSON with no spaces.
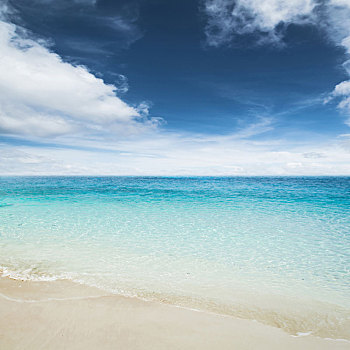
{"x":65,"y":315}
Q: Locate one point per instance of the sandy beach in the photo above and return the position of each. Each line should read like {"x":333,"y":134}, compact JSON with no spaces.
{"x":65,"y":315}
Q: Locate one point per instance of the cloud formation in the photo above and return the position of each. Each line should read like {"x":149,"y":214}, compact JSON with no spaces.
{"x":338,"y":28}
{"x":267,"y":21}
{"x":244,"y":152}
{"x":93,"y":131}
{"x":170,"y":154}
{"x":41,"y":95}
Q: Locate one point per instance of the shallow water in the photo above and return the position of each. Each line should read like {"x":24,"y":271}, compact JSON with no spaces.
{"x":272,"y":249}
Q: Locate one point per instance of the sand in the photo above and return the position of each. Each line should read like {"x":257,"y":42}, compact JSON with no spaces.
{"x":65,"y":315}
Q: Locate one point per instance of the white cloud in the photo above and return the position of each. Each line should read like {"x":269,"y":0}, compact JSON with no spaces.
{"x":227,"y":18}
{"x":41,"y":95}
{"x":343,"y":90}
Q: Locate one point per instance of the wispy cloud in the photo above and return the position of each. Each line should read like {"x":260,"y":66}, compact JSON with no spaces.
{"x":244,"y":152}
{"x":116,"y":20}
{"x":182,"y":154}
{"x":267,"y":20}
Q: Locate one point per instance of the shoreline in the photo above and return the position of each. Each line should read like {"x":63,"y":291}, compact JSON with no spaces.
{"x":66,"y":314}
{"x":294,"y":316}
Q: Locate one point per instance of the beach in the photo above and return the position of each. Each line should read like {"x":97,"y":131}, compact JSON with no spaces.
{"x":65,"y":315}
{"x":254,"y":263}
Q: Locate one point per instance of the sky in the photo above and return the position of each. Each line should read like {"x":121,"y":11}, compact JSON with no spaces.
{"x":186,"y":87}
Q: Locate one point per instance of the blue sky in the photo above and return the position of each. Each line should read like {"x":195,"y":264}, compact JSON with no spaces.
{"x":195,"y":87}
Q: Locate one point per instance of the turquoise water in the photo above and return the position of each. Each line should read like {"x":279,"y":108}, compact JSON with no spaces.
{"x":274,"y":249}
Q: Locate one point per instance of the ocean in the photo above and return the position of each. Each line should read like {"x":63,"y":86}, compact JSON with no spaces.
{"x":272,"y":249}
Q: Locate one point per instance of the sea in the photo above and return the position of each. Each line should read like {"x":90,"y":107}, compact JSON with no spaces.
{"x":271,"y":249}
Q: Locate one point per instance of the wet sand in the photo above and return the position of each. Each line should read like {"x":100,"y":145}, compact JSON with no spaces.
{"x":65,"y":315}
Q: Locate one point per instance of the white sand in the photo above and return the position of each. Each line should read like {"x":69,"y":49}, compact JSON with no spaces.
{"x":64,"y":315}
